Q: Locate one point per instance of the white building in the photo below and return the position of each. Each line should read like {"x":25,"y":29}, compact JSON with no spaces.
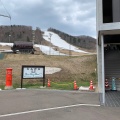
{"x":108,"y":43}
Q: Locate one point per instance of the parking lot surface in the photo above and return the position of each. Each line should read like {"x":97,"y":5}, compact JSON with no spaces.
{"x":54,"y":105}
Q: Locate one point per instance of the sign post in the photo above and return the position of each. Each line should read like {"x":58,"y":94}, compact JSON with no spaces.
{"x":33,"y":72}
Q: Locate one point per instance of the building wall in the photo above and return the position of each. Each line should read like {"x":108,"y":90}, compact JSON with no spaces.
{"x":116,"y":16}
{"x":112,"y":27}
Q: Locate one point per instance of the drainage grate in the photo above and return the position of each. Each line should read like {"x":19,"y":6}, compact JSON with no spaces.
{"x":112,"y":99}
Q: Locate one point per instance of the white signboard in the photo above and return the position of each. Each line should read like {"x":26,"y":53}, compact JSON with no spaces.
{"x":33,"y":72}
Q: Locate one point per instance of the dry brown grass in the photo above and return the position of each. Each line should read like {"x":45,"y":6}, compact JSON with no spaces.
{"x":73,"y":68}
{"x":81,"y":67}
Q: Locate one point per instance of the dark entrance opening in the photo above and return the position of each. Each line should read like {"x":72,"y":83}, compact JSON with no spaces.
{"x":112,"y":68}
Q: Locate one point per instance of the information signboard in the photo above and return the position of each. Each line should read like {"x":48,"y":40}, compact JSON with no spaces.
{"x":33,"y":72}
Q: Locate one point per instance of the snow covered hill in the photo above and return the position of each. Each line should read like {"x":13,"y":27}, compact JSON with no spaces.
{"x":48,"y":50}
{"x":57,"y":41}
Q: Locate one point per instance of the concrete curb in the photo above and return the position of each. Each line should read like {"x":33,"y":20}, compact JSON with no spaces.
{"x":20,"y":88}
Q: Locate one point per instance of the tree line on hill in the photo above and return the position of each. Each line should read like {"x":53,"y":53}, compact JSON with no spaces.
{"x":26,"y":33}
{"x":83,"y":41}
{"x":20,"y":33}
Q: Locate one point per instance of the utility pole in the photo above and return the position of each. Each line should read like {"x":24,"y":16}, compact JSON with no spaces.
{"x":9,"y":37}
{"x":33,"y":34}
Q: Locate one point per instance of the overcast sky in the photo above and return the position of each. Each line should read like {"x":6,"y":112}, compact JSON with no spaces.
{"x":75,"y":17}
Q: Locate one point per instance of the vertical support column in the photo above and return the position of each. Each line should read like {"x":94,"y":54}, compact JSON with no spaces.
{"x":103,"y":71}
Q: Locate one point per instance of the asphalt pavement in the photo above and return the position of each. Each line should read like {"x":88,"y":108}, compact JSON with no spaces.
{"x":43,"y":104}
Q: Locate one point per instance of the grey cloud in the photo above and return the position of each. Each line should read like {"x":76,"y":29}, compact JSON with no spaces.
{"x":70,"y":16}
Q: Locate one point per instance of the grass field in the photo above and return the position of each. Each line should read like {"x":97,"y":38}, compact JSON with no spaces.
{"x":80,"y":68}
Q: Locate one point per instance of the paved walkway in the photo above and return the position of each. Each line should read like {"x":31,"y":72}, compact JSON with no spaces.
{"x":112,"y":98}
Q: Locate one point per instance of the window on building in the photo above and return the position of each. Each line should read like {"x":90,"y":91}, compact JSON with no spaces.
{"x":111,"y":11}
{"x":107,"y":11}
